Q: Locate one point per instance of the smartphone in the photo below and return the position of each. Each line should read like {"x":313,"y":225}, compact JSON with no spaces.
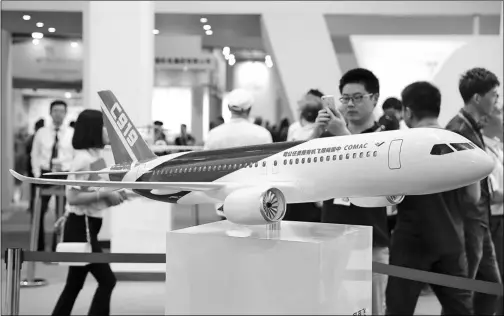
{"x":330,"y":102}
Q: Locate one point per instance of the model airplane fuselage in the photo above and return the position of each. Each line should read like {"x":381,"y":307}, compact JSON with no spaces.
{"x":254,"y":183}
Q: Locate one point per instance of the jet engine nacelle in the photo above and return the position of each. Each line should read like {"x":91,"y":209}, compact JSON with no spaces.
{"x":255,"y":206}
{"x":379,"y":201}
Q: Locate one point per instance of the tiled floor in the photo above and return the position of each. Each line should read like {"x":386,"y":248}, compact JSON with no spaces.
{"x":129,"y":298}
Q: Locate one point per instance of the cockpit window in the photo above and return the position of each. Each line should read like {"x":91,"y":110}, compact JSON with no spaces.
{"x":461,"y":146}
{"x":440,"y":149}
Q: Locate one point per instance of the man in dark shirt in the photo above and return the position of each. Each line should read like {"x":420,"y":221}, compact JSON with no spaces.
{"x":429,"y":232}
{"x":360,"y":91}
{"x":185,"y":139}
{"x":478,"y":88}
{"x":29,"y":145}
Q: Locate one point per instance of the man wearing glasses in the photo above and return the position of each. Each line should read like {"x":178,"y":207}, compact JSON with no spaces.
{"x":360,"y":90}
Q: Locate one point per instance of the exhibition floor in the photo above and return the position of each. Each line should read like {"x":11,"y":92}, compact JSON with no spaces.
{"x":129,"y":298}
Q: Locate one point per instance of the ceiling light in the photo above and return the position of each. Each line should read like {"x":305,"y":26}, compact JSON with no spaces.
{"x":231,"y":56}
{"x":207,"y":27}
{"x":40,"y":24}
{"x":35,"y":41}
{"x":26,"y":17}
{"x":203,"y":20}
{"x":209,"y":32}
{"x":68,"y":95}
{"x":51,"y":30}
{"x":155,"y":32}
{"x":74,"y":44}
{"x":231,"y":62}
{"x":226,"y":50}
{"x":37,"y":35}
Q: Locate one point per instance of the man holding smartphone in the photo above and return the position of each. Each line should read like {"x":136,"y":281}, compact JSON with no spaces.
{"x":360,"y":90}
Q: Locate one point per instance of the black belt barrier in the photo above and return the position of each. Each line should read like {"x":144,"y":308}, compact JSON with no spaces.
{"x":15,"y":257}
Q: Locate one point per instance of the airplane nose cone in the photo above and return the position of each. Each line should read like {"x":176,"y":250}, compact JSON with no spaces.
{"x":487,"y":163}
{"x":482,"y":164}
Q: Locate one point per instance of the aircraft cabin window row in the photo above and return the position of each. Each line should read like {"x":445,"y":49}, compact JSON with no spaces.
{"x":208,"y":168}
{"x":235,"y":166}
{"x":328,"y":158}
{"x":443,"y":149}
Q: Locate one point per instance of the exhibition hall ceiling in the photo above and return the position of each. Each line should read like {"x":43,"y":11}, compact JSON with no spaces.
{"x":66,"y":24}
{"x":231,"y":27}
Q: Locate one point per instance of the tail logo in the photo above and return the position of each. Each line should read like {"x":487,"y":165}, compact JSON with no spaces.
{"x":122,"y":122}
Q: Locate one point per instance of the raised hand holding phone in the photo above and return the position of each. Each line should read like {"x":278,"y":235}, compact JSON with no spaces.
{"x":331,"y":117}
{"x":330,"y":102}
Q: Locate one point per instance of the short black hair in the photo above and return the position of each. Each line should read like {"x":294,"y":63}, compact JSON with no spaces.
{"x":362,"y":76}
{"x":158,"y":123}
{"x":57,"y":102}
{"x":315,"y":92}
{"x":389,"y":123}
{"x":392,"y":103}
{"x":423,"y":99}
{"x":477,"y":81}
{"x":88,"y":131}
{"x":72,"y":124}
{"x":310,"y":110}
{"x":39,"y":124}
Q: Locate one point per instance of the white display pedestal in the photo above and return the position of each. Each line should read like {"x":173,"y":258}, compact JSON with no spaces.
{"x":140,"y":225}
{"x":306,"y":268}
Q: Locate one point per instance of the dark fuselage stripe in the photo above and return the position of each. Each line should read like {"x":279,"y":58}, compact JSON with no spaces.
{"x":207,"y":166}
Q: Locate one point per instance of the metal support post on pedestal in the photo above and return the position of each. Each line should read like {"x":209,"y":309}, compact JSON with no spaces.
{"x":30,"y":280}
{"x":13,"y":261}
{"x":196,"y":214}
{"x":273,"y":230}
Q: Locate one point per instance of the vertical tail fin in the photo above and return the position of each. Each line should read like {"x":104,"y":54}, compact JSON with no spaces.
{"x":127,"y":143}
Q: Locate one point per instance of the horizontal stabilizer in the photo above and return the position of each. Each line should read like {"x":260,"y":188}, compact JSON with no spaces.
{"x":182,"y":186}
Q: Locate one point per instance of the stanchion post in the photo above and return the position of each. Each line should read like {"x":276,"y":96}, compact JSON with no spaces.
{"x":30,"y":280}
{"x":13,"y":260}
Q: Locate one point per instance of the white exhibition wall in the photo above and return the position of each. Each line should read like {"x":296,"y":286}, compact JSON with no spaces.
{"x":257,"y":78}
{"x":172,"y":106}
{"x":486,"y":52}
{"x":400,"y":60}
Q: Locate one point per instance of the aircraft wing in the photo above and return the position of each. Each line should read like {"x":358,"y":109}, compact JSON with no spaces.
{"x":87,"y":172}
{"x":181,"y":186}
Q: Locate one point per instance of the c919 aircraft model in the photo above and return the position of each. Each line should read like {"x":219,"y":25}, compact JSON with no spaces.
{"x":254,"y":183}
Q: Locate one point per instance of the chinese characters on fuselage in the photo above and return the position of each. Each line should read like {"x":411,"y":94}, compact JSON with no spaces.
{"x":324,"y":150}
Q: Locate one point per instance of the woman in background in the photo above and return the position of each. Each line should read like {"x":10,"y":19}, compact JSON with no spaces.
{"x":84,"y":214}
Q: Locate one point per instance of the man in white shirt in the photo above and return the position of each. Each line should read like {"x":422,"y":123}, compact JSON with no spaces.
{"x":52,"y":151}
{"x":239,"y":131}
